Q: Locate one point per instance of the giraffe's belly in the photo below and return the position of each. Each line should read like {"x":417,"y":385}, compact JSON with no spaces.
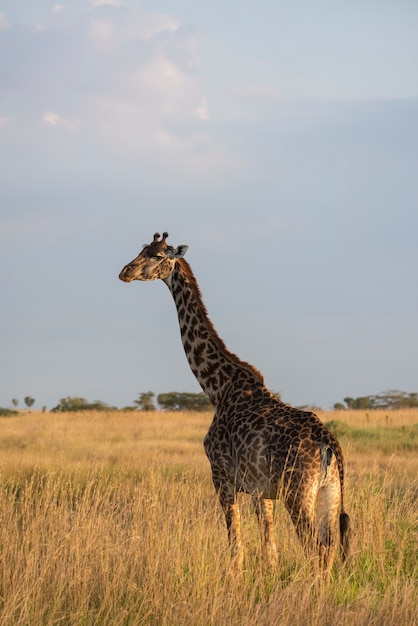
{"x":259,"y":488}
{"x":266,"y":469}
{"x":255,"y":476}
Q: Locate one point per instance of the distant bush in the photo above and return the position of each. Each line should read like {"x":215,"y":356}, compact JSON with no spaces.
{"x":73,"y":404}
{"x":8,"y":412}
{"x":177,"y":401}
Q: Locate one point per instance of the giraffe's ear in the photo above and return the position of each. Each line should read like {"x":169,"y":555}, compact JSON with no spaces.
{"x":178,"y":252}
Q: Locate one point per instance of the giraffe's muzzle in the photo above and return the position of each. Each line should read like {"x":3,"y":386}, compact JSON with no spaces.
{"x":126,"y":274}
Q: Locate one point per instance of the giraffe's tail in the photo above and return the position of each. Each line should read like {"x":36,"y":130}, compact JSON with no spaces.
{"x":345,"y":529}
{"x":327,"y":452}
{"x":344,"y":535}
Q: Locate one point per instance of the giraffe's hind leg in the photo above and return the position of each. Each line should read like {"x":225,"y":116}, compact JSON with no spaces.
{"x":302,"y":513}
{"x":264,"y":510}
{"x":305,"y":527}
{"x":315,"y":527}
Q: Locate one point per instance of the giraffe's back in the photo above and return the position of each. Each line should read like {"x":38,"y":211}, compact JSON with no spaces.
{"x":268,"y":446}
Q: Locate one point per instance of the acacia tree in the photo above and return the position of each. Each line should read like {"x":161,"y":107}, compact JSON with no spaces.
{"x":15,"y":401}
{"x":177,"y":401}
{"x":75,"y":403}
{"x":145,"y":401}
{"x":391,"y":399}
{"x":395,"y":399}
{"x":29,"y":401}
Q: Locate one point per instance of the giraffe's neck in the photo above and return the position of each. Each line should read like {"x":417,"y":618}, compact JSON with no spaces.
{"x":215,"y":368}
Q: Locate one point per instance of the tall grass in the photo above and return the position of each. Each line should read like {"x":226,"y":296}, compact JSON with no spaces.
{"x":112,"y":519}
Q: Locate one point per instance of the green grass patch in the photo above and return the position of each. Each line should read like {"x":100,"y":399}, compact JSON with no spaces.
{"x":387,"y":440}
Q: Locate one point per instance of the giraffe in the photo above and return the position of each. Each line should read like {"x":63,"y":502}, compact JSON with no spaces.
{"x":256,"y":444}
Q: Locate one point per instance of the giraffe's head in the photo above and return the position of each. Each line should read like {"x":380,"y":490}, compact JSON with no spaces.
{"x":155,"y":261}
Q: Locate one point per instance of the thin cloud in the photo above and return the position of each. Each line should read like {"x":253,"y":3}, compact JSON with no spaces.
{"x":52,"y":119}
{"x":109,"y":37}
{"x":103,"y":35}
{"x":262,"y":92}
{"x":154,"y":23}
{"x":4,"y":22}
{"x":201,"y":110}
{"x":162,"y":75}
{"x":109,"y":3}
{"x":57,"y":121}
{"x":148,"y":104}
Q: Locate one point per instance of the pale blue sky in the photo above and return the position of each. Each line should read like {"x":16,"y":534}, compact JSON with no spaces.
{"x":279,"y":140}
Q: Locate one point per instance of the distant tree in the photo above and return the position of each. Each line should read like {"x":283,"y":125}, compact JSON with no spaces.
{"x":15,"y":401}
{"x":392,"y":399}
{"x":363,"y":402}
{"x":145,"y":401}
{"x":70,"y":403}
{"x":349,"y":402}
{"x":176,"y":401}
{"x":74,"y":403}
{"x":395,"y":399}
{"x":338,"y":406}
{"x":29,"y":401}
{"x":413,"y":399}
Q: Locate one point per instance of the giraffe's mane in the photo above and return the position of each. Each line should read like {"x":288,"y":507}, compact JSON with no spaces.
{"x":189,"y":277}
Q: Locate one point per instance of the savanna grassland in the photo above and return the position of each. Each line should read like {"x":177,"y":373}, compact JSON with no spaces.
{"x":111,"y":518}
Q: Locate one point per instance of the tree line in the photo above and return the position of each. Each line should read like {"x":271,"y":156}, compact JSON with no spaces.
{"x":392,"y":399}
{"x":146,"y":401}
{"x":171,"y":401}
{"x":186,"y":401}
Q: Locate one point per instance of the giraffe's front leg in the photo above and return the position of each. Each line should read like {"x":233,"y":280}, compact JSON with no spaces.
{"x":264,"y":510}
{"x":233,"y":525}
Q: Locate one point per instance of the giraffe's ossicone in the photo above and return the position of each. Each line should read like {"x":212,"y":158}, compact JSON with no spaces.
{"x":256,"y":444}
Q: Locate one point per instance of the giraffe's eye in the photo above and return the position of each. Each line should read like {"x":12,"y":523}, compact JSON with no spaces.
{"x":159,"y":257}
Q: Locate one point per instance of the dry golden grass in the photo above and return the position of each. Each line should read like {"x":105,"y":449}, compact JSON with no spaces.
{"x":111,"y":518}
